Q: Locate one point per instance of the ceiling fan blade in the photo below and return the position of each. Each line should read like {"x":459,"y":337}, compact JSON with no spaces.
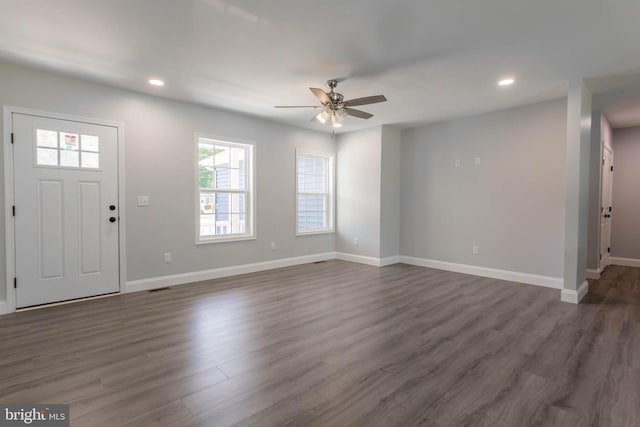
{"x":298,"y":106}
{"x":364,"y":101}
{"x":321,"y":95}
{"x":357,"y":113}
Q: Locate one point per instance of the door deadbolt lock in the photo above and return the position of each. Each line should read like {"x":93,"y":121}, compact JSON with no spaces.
{"x":112,"y":219}
{"x":112,"y":207}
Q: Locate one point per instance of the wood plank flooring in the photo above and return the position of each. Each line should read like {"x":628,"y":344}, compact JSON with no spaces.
{"x":335,"y":344}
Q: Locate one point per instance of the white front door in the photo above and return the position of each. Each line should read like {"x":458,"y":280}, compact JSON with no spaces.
{"x":606,"y":209}
{"x":66,"y":209}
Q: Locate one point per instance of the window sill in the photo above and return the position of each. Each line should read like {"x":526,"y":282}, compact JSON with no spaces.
{"x":224,"y":240}
{"x":314,"y":232}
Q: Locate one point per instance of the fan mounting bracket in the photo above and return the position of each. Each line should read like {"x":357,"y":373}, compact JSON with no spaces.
{"x":336,"y":98}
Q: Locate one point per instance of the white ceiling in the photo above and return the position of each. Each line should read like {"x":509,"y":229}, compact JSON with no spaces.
{"x":618,"y":97}
{"x":432,"y":59}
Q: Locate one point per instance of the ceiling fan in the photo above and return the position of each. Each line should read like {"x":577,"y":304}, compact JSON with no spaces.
{"x":334,"y":107}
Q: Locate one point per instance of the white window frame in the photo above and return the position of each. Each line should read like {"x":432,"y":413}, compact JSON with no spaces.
{"x":250,"y":222}
{"x":330,"y":185}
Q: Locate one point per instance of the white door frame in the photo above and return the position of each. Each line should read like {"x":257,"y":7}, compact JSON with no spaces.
{"x":9,"y":306}
{"x":602,"y":209}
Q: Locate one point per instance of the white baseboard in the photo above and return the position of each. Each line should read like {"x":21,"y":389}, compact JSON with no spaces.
{"x":626,"y":262}
{"x":512,"y":276}
{"x":216,"y":273}
{"x":360,"y":259}
{"x":368,"y":260}
{"x":574,"y":297}
{"x":389,"y":260}
{"x":593,"y":274}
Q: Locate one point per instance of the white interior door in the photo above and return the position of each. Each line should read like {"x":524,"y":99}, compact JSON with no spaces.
{"x":606,"y":208}
{"x":66,"y":209}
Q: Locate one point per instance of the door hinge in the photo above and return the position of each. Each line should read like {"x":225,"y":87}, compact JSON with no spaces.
{"x":600,"y":256}
{"x":13,"y":209}
{"x":609,"y":249}
{"x":611,"y":168}
{"x":610,"y":208}
{"x":15,"y":282}
{"x":12,"y":137}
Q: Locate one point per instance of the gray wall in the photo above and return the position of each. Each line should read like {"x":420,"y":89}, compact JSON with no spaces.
{"x":625,"y":221}
{"x":159,"y":162}
{"x":358,"y":192}
{"x":390,"y":192}
{"x":512,"y":206}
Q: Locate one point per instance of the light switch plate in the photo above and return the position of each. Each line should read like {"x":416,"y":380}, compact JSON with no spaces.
{"x":143,"y":200}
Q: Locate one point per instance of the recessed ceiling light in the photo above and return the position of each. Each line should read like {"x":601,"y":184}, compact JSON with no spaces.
{"x":506,"y":82}
{"x":156,"y":82}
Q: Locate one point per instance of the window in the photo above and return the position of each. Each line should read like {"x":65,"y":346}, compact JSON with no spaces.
{"x":225,"y":190}
{"x":314,"y":201}
{"x":67,"y":150}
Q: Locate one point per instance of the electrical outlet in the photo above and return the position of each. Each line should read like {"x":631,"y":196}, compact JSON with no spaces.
{"x":458,"y":163}
{"x":273,"y":246}
{"x":476,"y":250}
{"x":143,"y":200}
{"x":355,"y":241}
{"x":477,"y":161}
{"x":167,"y":257}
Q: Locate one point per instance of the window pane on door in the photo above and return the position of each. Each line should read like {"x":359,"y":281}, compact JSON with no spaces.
{"x":90,"y":143}
{"x":69,"y":141}
{"x":47,"y":157}
{"x":47,"y":138}
{"x":69,"y":158}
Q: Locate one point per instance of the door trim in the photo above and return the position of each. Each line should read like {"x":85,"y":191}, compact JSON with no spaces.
{"x":9,"y":305}
{"x":603,"y":148}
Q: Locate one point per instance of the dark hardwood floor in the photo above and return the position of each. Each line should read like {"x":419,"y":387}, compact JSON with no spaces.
{"x":335,"y":344}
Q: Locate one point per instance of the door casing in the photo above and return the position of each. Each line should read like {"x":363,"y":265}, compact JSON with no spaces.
{"x":606,"y":186}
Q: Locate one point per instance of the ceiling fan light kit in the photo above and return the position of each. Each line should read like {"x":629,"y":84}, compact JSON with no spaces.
{"x":335,"y":108}
{"x":323,"y":115}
